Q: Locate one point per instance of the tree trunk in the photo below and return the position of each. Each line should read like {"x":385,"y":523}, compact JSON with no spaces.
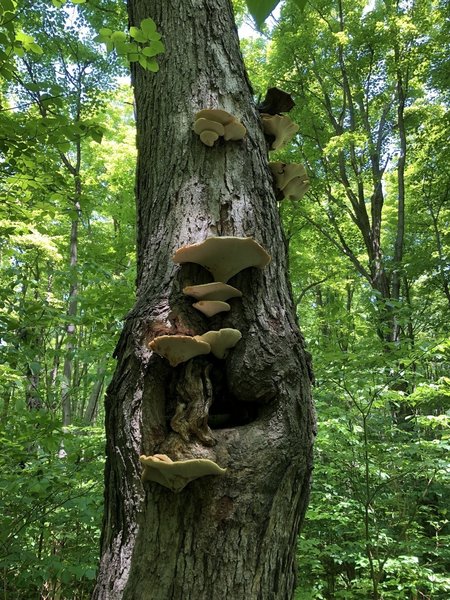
{"x":70,"y":329}
{"x":235,"y":535}
{"x":91,"y":409}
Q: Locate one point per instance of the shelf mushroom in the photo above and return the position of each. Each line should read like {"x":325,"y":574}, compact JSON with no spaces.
{"x":211,"y":297}
{"x":212,"y":291}
{"x":211,"y":123}
{"x":179,"y":348}
{"x":211,"y":307}
{"x":280,"y":128}
{"x":175,"y":475}
{"x":209,"y":131}
{"x":221,"y":341}
{"x":276,"y":101}
{"x":224,"y":256}
{"x":291,"y":179}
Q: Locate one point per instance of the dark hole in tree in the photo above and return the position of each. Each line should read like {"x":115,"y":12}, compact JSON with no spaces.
{"x":226,"y":410}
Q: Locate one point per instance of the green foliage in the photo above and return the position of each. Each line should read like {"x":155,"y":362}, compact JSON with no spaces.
{"x":14,"y":42}
{"x":60,"y":3}
{"x":141,"y":45}
{"x":377,"y":525}
{"x":50,"y":501}
{"x":67,"y":149}
{"x":378,"y":520}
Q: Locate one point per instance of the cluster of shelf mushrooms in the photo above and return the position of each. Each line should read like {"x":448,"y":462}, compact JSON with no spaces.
{"x":223,"y":257}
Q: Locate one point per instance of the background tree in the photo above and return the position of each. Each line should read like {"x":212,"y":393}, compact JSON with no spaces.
{"x":54,"y":91}
{"x":361,"y":76}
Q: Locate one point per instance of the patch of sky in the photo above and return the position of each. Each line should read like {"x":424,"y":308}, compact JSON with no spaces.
{"x":368,"y":8}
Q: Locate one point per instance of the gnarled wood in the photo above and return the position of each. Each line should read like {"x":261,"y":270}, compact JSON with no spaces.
{"x":234,"y":535}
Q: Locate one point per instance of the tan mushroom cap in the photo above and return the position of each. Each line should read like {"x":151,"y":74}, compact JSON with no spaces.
{"x":212,"y":291}
{"x":234,"y":131}
{"x":296,"y":188}
{"x":207,"y":125}
{"x":221,"y":341}
{"x":209,"y":131}
{"x":178,"y":348}
{"x":227,"y":125}
{"x":279,"y":126}
{"x":163,"y":457}
{"x":224,"y":256}
{"x":175,"y":475}
{"x":283,"y":173}
{"x":208,"y":138}
{"x":211,"y":307}
{"x":215,"y":114}
{"x":291,"y":179}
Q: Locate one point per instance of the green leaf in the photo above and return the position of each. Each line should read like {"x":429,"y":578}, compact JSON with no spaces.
{"x":132,"y":47}
{"x":118,"y":36}
{"x":152,"y":65}
{"x":33,"y":87}
{"x":35,"y":48}
{"x":64,"y":147}
{"x":154,"y":49}
{"x":154,"y":37}
{"x":148,"y":51}
{"x":149,"y":64}
{"x":7,"y":6}
{"x":96,"y":135}
{"x":105,"y":32}
{"x":148,"y":26}
{"x":24,"y":38}
{"x":300,"y":3}
{"x":78,"y":1}
{"x":261,"y":9}
{"x":35,"y":367}
{"x":121,"y":48}
{"x":137,"y":34}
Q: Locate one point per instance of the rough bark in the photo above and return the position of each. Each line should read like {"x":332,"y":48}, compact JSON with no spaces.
{"x":230,"y":536}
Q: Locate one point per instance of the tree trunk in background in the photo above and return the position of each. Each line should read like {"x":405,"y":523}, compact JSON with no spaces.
{"x":232,"y":536}
{"x":91,"y":409}
{"x":70,"y":329}
{"x":67,"y":384}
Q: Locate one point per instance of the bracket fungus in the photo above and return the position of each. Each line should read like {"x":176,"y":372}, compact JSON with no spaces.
{"x":210,"y":123}
{"x":234,"y":131}
{"x":224,"y":256}
{"x":175,"y":475}
{"x":178,"y":348}
{"x":221,"y":341}
{"x":291,"y":179}
{"x":212,"y":291}
{"x":296,"y":188}
{"x":280,"y":128}
{"x":276,"y":101}
{"x":209,"y":131}
{"x":211,"y":307}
